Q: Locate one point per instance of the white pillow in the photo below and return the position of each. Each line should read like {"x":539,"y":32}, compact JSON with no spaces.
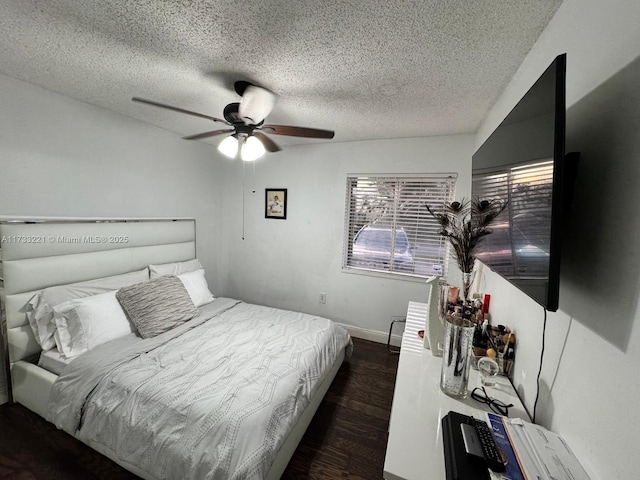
{"x":85,"y":323}
{"x":40,"y":307}
{"x":197,"y":287}
{"x":175,"y":268}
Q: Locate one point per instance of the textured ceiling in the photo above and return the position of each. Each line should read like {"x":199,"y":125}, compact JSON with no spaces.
{"x":366,"y":69}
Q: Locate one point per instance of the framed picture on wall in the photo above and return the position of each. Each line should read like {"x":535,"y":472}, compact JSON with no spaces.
{"x":275,"y":200}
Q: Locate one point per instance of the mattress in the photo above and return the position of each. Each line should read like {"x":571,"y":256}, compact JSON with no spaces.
{"x":53,"y":361}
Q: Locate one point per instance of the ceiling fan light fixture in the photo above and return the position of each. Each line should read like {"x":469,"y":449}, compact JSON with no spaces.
{"x":245,"y":121}
{"x":252,"y":149}
{"x":229,"y":147}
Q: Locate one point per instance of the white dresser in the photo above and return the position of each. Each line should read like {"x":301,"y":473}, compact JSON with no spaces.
{"x":414,"y":448}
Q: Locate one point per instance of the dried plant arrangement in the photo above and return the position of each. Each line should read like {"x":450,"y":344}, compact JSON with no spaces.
{"x":464,"y":224}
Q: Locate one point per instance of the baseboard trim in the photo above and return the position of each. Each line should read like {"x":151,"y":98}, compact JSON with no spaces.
{"x":372,"y":335}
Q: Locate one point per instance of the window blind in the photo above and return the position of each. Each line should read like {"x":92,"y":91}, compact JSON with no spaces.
{"x":388,"y":227}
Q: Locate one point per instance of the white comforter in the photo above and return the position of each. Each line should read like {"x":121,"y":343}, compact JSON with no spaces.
{"x":212,"y":399}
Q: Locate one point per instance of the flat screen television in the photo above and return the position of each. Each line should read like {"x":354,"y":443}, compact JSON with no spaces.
{"x":523,"y":162}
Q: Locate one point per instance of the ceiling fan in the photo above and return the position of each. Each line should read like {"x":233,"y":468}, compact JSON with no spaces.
{"x":246,"y":122}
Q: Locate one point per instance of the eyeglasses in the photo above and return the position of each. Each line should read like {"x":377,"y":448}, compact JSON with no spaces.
{"x":501,"y":408}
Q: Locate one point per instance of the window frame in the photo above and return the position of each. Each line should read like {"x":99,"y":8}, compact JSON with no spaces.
{"x":423,"y":226}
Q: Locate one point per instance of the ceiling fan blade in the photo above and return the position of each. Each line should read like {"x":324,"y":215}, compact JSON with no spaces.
{"x":298,"y":131}
{"x":256,"y":104}
{"x":269,"y":144}
{"x":176,"y":109}
{"x":208,"y":134}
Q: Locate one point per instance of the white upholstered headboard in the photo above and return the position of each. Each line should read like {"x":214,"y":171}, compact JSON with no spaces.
{"x":57,"y":252}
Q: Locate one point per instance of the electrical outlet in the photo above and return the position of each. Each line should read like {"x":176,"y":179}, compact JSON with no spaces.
{"x":322,"y":297}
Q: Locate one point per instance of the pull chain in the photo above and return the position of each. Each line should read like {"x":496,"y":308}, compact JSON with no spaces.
{"x":254,"y":177}
{"x":243,"y":200}
{"x":253,"y":189}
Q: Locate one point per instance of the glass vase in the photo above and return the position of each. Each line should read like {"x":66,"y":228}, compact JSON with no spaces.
{"x":456,"y":357}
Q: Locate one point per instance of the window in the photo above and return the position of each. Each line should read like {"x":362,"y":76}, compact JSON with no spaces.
{"x":388,"y":227}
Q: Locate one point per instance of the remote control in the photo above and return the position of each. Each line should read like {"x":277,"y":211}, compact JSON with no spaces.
{"x":479,"y":441}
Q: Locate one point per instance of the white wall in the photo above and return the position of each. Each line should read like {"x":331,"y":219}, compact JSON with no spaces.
{"x":588,"y":383}
{"x":61,"y":157}
{"x":286,"y":263}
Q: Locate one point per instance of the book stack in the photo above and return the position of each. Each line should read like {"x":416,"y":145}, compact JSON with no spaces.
{"x":528,"y":451}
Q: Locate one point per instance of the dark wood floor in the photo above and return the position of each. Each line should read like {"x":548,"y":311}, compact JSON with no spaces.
{"x":345,"y":440}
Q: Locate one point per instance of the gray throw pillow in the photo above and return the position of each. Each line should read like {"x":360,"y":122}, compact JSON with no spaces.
{"x":157,"y":305}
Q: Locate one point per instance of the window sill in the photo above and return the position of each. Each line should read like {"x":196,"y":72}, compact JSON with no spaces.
{"x":406,"y":277}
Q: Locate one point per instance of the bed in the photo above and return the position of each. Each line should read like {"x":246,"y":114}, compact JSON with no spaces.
{"x":226,"y":391}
